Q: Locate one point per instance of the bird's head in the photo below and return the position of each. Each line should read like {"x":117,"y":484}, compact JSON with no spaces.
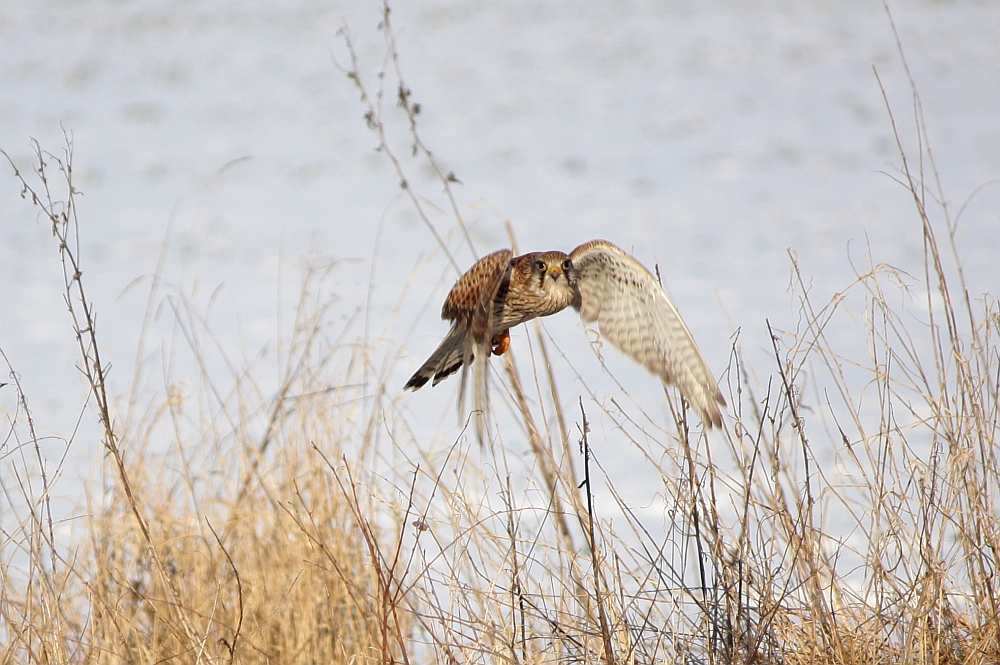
{"x":552,"y":273}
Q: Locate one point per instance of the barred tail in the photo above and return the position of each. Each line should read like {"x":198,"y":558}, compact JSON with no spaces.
{"x":445,"y":361}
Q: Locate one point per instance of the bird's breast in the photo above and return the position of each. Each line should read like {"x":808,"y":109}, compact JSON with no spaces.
{"x":520,"y":306}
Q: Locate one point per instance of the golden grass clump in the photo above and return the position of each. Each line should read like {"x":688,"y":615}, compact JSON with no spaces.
{"x":231,"y":545}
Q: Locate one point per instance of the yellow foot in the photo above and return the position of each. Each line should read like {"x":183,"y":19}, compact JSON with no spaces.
{"x":501,"y":343}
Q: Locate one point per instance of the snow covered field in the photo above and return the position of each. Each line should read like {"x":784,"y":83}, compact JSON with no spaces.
{"x":708,"y":136}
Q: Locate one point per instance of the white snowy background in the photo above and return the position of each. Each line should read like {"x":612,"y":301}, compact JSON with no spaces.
{"x":705,"y":136}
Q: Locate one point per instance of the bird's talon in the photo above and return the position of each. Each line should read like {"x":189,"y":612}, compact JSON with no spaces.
{"x":501,"y":343}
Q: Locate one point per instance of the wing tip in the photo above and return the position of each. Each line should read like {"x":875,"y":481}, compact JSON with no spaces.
{"x":711,"y":414}
{"x":705,"y":399}
{"x":714,"y":419}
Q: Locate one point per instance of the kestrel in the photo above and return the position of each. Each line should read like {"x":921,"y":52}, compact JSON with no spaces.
{"x":600,"y":281}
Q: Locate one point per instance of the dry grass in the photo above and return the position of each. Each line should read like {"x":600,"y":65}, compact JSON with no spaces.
{"x":849,"y":514}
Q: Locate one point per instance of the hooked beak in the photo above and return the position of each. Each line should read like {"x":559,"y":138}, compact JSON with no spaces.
{"x":556,"y":272}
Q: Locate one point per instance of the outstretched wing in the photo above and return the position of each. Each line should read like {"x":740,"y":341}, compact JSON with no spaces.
{"x":635,"y":315}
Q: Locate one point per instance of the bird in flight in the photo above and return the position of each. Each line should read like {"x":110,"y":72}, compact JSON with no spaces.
{"x":600,"y":281}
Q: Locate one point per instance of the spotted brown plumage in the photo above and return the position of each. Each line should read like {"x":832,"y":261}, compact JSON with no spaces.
{"x":604,"y":284}
{"x":478,"y":280}
{"x":496,"y":294}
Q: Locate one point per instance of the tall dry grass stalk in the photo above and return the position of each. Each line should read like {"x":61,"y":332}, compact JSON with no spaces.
{"x":849,"y":514}
{"x":229,"y":547}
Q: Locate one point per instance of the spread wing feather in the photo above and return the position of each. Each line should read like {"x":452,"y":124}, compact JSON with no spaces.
{"x":637,"y":317}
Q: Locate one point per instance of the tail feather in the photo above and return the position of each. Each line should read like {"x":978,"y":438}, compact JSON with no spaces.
{"x":481,"y":394}
{"x":475,"y":358}
{"x":445,"y":361}
{"x":458,"y":351}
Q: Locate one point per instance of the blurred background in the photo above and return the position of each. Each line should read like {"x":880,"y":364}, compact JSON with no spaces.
{"x":708,"y":137}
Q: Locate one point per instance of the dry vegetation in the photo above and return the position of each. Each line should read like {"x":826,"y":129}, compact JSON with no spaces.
{"x":310,"y":525}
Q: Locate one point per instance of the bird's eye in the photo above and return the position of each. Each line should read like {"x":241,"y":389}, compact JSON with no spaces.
{"x":567,"y":265}
{"x":540,"y":265}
